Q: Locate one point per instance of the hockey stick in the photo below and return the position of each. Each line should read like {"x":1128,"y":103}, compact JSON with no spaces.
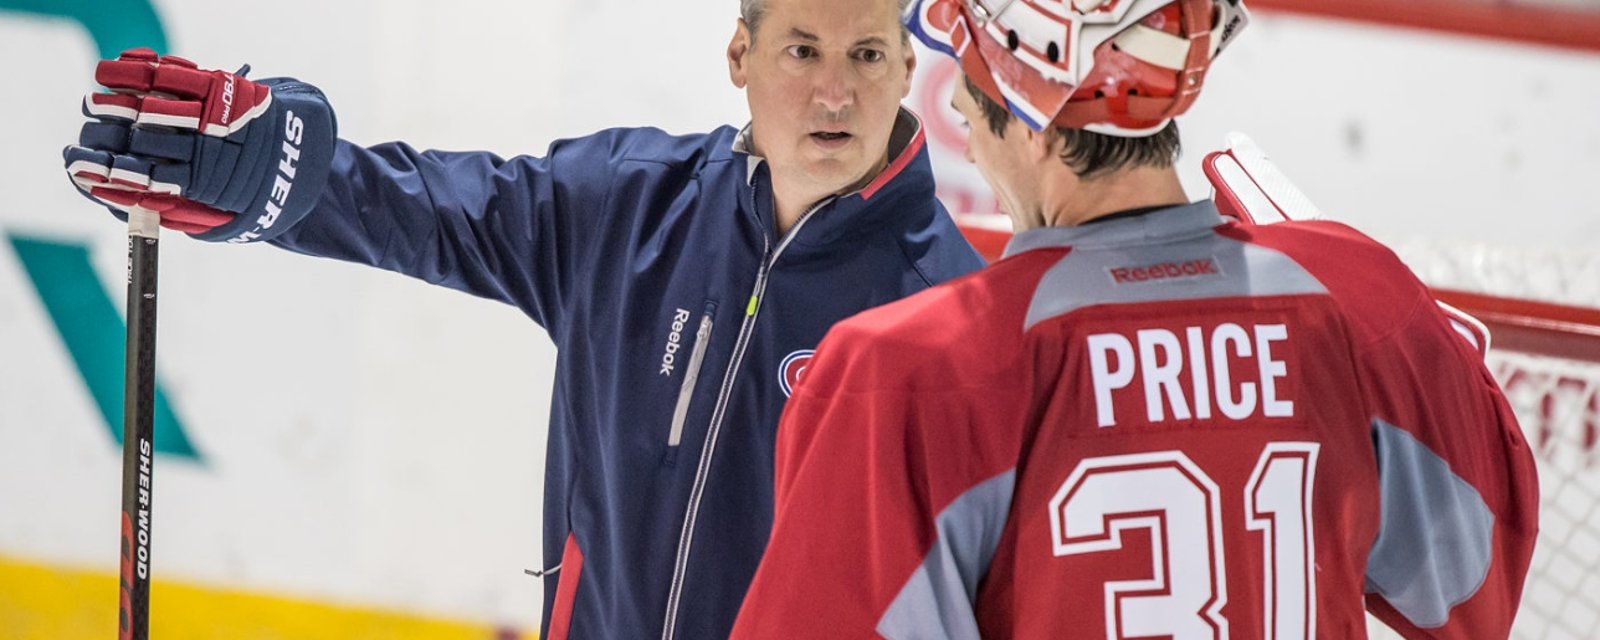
{"x":138,"y":417}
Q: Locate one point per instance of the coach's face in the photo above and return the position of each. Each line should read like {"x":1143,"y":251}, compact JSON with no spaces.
{"x":824,"y":79}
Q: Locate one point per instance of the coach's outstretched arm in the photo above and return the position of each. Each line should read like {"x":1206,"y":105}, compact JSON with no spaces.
{"x":510,"y":229}
{"x":227,"y":159}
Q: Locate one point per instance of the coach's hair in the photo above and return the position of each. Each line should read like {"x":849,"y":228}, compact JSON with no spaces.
{"x":752,"y":11}
{"x":1091,"y":154}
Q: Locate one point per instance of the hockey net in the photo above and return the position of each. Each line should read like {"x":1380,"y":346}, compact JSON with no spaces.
{"x":1543,"y":313}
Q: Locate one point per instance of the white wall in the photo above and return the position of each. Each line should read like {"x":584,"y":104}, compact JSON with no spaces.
{"x":374,"y":440}
{"x":1405,"y":133}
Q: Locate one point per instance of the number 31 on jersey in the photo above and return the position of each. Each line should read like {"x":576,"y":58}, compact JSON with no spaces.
{"x":1170,"y":495}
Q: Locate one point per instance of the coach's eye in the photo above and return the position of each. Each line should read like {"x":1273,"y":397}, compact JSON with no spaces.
{"x":871,"y":56}
{"x":801,"y":51}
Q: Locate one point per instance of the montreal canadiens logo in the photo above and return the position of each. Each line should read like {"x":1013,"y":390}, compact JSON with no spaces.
{"x":794,"y":365}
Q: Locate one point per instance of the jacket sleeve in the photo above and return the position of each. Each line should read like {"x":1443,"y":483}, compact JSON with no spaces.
{"x":509,"y":230}
{"x":1458,"y":486}
{"x":887,"y":507}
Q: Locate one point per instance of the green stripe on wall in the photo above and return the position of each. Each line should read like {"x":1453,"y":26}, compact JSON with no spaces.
{"x":94,"y":333}
{"x":114,"y":25}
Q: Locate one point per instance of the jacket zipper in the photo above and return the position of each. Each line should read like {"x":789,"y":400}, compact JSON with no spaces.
{"x":690,"y":376}
{"x":752,"y":310}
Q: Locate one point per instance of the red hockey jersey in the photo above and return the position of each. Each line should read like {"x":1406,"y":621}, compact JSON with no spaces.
{"x":1161,"y":426}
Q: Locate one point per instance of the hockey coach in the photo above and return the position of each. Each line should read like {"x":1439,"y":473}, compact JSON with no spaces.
{"x":685,"y":280}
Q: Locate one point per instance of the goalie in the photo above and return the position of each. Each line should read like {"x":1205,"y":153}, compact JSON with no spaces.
{"x":1148,"y":420}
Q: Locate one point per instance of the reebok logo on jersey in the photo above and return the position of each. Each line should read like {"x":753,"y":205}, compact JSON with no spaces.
{"x":793,"y":366}
{"x":1165,"y":271}
{"x":674,"y":342}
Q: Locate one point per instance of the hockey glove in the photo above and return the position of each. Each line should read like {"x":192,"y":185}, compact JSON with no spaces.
{"x":218,"y":156}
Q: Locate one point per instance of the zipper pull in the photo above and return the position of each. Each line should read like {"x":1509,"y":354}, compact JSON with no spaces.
{"x":750,"y":309}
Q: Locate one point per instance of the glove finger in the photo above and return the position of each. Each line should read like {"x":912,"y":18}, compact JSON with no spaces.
{"x":91,"y":167}
{"x":87,"y":167}
{"x":219,"y":104}
{"x":181,"y":78}
{"x":117,"y":211}
{"x":119,"y":199}
{"x":134,"y":70}
{"x":140,"y":175}
{"x":254,"y":168}
{"x":185,"y":227}
{"x":112,"y":107}
{"x":130,"y":172}
{"x":105,"y":136}
{"x":163,"y":112}
{"x":155,"y":143}
{"x":241,"y":102}
{"x":175,"y":213}
{"x":186,"y":212}
{"x":170,"y":178}
{"x":221,"y":159}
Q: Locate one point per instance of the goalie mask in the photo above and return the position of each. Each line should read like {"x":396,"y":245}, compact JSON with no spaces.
{"x":1117,"y":67}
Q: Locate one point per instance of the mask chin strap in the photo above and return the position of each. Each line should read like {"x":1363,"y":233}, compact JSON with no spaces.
{"x":1196,"y":16}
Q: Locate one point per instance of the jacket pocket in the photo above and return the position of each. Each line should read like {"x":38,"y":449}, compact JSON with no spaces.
{"x":571,"y":569}
{"x":697,"y":360}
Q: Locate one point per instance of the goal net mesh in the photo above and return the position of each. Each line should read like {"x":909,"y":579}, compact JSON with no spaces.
{"x":1556,"y":396}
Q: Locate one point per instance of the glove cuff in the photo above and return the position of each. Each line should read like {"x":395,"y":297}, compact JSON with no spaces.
{"x":296,"y":160}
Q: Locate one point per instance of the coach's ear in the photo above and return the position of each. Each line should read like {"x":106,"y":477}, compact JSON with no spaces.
{"x":911,"y":68}
{"x":737,"y":48}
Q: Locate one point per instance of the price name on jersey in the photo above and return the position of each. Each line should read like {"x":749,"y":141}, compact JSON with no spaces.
{"x":1229,"y":369}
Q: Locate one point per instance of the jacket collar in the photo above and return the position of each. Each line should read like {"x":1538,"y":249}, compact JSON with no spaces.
{"x":904,"y":187}
{"x":1171,"y":223}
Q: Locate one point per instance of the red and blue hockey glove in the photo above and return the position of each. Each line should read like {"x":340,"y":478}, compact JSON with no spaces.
{"x":218,"y":156}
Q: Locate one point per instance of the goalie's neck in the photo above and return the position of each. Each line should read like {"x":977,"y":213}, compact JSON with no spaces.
{"x":1068,"y":201}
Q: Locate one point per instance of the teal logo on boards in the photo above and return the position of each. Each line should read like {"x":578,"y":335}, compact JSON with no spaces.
{"x":85,"y":317}
{"x":115,"y":25}
{"x":83,"y":313}
{"x":94,"y":333}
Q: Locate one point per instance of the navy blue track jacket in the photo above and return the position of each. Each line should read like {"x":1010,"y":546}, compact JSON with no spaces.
{"x":681,"y":319}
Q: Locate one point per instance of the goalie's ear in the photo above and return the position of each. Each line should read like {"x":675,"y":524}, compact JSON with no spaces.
{"x":738,"y":48}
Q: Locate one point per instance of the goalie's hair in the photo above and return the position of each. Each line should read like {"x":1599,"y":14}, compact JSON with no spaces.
{"x":752,"y":11}
{"x":1090,"y":154}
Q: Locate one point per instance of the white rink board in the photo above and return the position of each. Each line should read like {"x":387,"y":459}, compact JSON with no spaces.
{"x":369,"y":439}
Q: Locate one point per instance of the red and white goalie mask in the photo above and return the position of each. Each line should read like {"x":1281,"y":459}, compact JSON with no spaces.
{"x":1118,"y":67}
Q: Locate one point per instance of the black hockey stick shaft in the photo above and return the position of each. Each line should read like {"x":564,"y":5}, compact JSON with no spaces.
{"x":138,"y":417}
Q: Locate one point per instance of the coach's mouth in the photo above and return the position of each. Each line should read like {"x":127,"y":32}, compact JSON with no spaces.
{"x":831,"y":139}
